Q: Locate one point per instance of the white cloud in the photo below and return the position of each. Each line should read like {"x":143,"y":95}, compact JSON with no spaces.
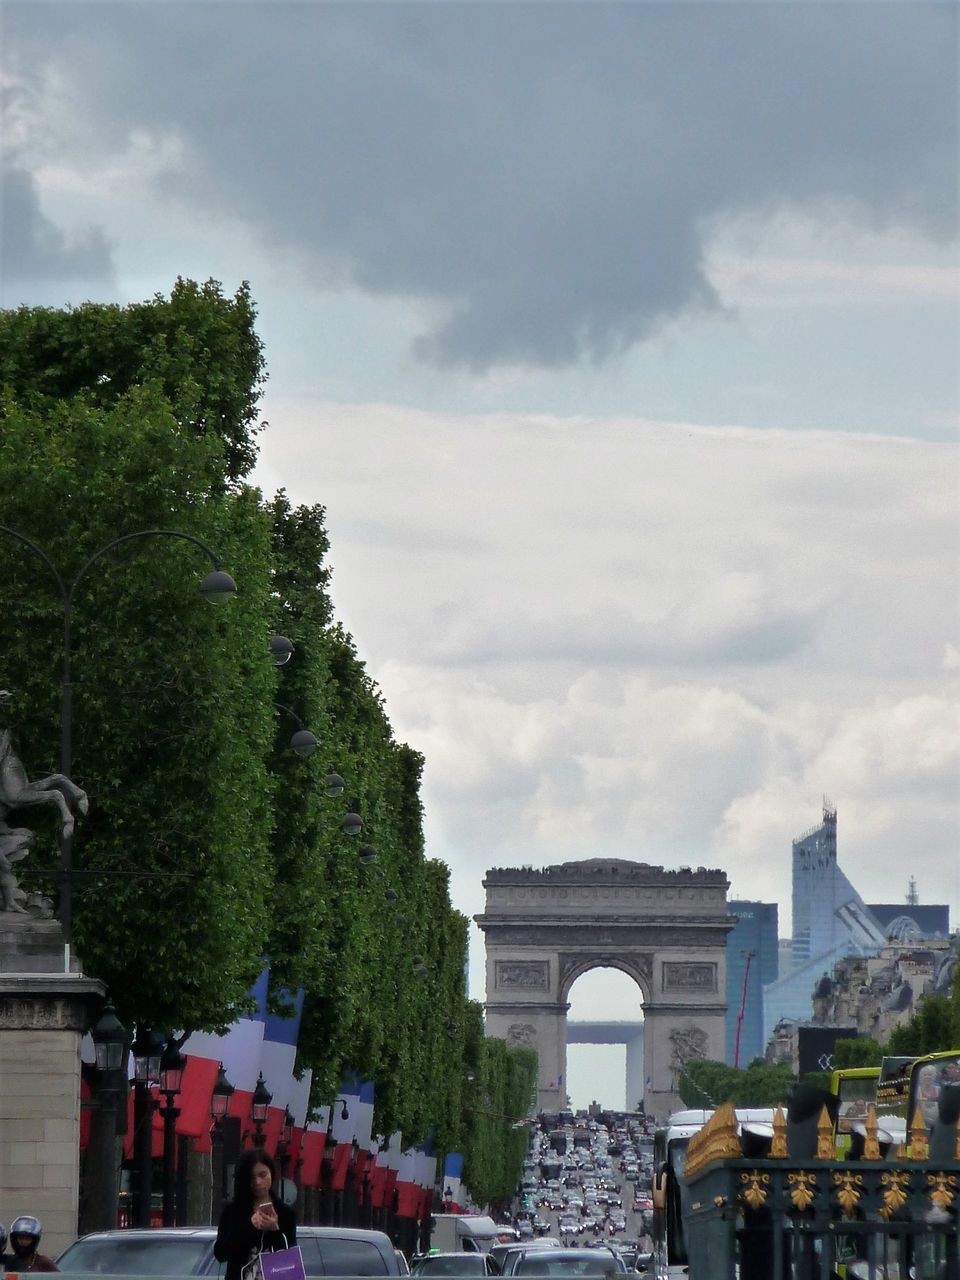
{"x":651,"y":640}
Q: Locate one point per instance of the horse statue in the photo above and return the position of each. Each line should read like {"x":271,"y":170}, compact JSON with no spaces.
{"x":18,"y":792}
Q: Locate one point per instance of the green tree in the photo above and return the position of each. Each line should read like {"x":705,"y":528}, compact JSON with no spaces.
{"x":197,"y":347}
{"x":171,"y":699}
{"x":860,"y":1052}
{"x":708,"y":1084}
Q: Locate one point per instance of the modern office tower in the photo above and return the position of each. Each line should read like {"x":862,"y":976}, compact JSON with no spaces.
{"x":752,"y":962}
{"x":830,"y":921}
{"x":827,"y":910}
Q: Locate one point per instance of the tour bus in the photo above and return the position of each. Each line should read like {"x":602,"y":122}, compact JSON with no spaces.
{"x":669,"y":1190}
{"x":929,"y":1076}
{"x":855,"y":1089}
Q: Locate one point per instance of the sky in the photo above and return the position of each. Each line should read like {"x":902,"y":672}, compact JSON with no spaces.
{"x":620,"y":343}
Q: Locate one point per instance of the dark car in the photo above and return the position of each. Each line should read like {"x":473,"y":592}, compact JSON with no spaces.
{"x":188,"y":1251}
{"x":453,"y":1264}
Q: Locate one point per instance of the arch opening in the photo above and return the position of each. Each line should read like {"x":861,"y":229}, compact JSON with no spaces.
{"x":605,"y":1038}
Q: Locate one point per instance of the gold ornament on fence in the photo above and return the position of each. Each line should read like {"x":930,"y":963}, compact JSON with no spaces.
{"x":756,"y":1183}
{"x":944,"y":1189}
{"x":778,"y":1147}
{"x":917,"y":1137}
{"x":804,"y":1189}
{"x":895,"y":1197}
{"x":848,"y":1193}
{"x":825,"y":1144}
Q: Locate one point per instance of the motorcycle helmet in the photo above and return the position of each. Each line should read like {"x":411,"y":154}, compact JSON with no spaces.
{"x":28,"y":1226}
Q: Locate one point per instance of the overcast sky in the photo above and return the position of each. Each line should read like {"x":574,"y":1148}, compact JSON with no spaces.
{"x":620,"y":342}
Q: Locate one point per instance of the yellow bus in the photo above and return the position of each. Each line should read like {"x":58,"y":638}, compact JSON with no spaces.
{"x":856,"y":1089}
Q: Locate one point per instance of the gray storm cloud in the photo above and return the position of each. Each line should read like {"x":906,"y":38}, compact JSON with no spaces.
{"x":34,"y":253}
{"x":547,"y":177}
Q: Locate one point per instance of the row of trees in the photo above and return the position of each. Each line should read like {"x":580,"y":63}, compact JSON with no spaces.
{"x":210,"y":847}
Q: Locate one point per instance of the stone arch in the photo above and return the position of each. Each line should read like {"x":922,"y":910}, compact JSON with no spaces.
{"x":666,"y":930}
{"x":578,"y":966}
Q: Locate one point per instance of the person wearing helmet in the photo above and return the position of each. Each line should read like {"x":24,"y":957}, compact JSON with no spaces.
{"x":25,"y":1234}
{"x":3,"y":1241}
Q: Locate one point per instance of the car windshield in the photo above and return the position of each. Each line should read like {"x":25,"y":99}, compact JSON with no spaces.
{"x":136,"y":1256}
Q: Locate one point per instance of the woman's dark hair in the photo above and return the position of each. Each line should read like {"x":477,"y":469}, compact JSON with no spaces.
{"x":242,"y":1170}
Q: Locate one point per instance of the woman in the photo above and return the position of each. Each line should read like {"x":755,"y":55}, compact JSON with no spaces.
{"x":255,"y":1221}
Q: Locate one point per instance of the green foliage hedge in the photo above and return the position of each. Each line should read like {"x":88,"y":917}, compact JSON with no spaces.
{"x":213,"y":846}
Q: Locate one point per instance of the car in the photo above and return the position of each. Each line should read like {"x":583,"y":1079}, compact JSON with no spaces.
{"x":501,"y":1253}
{"x":569,"y":1262}
{"x":452,"y":1264}
{"x":188,"y":1251}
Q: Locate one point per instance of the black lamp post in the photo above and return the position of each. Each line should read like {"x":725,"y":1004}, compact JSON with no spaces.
{"x":283,"y":1143}
{"x":259,"y":1107}
{"x":172,"y":1065}
{"x":223,"y":1091}
{"x":146,"y":1051}
{"x":111,"y":1041}
{"x":217,"y":587}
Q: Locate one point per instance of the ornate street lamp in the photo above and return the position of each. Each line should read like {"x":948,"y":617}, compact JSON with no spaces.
{"x":351,"y":824}
{"x":220,"y":1097}
{"x":111,"y":1042}
{"x":172,"y":1064}
{"x":283,"y":1143}
{"x":281,"y":650}
{"x":303,"y":742}
{"x":259,"y":1108}
{"x":146,"y":1050}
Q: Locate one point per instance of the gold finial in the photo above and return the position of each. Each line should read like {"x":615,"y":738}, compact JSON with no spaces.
{"x":871,"y":1147}
{"x":919,"y":1143}
{"x":825,"y":1146}
{"x":717,"y":1140}
{"x":778,"y":1147}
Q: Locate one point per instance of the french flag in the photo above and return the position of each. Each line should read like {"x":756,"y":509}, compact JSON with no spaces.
{"x":390,"y":1161}
{"x":239,"y":1051}
{"x":453,"y":1194}
{"x":343,"y":1131}
{"x":278,"y":1055}
{"x":408,"y":1192}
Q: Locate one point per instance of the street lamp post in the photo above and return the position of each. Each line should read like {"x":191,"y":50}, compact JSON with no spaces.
{"x":217,"y":587}
{"x":259,"y":1108}
{"x":146,"y":1072}
{"x":223,"y":1091}
{"x":283,"y":1144}
{"x":171,"y":1078}
{"x":111,"y":1041}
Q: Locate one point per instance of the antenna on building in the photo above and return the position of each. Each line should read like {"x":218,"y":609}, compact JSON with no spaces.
{"x":829,"y":810}
{"x":913,"y":898}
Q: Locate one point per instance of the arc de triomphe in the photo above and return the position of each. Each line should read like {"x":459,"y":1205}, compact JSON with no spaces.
{"x":666,"y":929}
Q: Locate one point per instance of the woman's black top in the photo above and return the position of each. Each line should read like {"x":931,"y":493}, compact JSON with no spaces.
{"x":238,"y":1241}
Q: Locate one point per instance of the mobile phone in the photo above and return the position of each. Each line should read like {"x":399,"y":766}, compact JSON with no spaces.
{"x":267,"y":1204}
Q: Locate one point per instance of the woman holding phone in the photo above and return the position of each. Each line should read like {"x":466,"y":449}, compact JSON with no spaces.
{"x":255,"y":1221}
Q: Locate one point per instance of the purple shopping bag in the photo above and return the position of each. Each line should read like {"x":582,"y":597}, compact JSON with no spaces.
{"x":283,"y":1264}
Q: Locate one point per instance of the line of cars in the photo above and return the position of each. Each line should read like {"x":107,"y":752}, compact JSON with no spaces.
{"x":576,"y":1180}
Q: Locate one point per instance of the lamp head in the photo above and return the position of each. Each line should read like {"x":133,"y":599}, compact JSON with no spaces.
{"x":218,"y":587}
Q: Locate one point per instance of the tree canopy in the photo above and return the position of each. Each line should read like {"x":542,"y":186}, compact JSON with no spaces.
{"x":210,"y":847}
